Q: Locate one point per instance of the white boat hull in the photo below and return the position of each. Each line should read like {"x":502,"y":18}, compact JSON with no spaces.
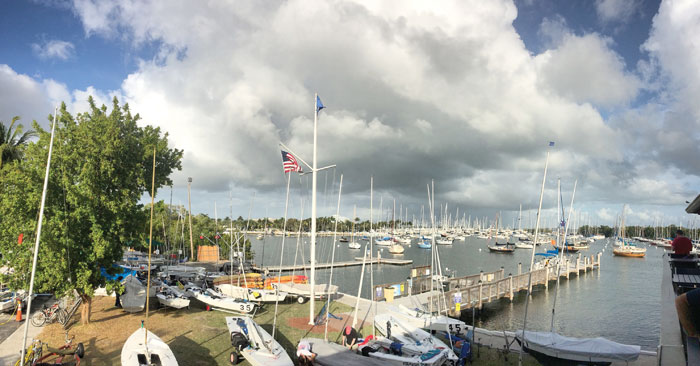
{"x":134,"y":350}
{"x":173,"y":302}
{"x":423,"y":320}
{"x":226,"y":303}
{"x":257,"y":295}
{"x":578,"y":349}
{"x":262,"y":350}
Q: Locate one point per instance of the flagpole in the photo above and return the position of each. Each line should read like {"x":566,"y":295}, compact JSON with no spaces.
{"x":38,"y":237}
{"x":313,"y":218}
{"x":532,"y":260}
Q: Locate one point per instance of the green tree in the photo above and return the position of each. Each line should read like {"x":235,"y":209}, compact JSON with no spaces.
{"x":100,"y":169}
{"x":13,"y":141}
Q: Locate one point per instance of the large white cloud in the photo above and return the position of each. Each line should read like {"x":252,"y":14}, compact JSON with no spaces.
{"x":414,"y":92}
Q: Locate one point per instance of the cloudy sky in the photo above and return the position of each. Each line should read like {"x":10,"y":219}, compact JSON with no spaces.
{"x":465,"y":93}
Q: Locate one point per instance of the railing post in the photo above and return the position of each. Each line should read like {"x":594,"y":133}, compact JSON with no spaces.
{"x":546,"y":277}
{"x":510,"y":286}
{"x":520,"y":268}
{"x":481,"y":296}
{"x":568,"y":264}
{"x":503,"y":271}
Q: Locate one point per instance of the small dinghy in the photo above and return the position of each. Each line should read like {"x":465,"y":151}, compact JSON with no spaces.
{"x":411,"y":337}
{"x":424,"y":320}
{"x":218,"y":300}
{"x":552,"y":346}
{"x":255,"y":344}
{"x":251,"y":294}
{"x":154,"y":353}
{"x":134,"y":298}
{"x":501,"y":248}
{"x":390,"y":352}
{"x":172,"y":297}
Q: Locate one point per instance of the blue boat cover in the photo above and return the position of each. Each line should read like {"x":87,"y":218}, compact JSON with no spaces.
{"x":119,"y":272}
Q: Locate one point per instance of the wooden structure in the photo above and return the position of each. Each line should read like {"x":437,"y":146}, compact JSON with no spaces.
{"x":462,"y":293}
{"x":208,"y":253}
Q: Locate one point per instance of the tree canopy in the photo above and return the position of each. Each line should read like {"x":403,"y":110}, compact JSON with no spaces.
{"x":101,"y":167}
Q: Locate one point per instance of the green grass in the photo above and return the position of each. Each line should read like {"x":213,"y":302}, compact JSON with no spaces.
{"x":199,"y":337}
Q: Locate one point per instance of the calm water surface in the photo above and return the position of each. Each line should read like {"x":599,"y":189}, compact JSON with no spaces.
{"x":621,"y":301}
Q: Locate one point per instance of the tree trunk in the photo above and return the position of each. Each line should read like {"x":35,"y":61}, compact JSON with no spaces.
{"x":85,"y":309}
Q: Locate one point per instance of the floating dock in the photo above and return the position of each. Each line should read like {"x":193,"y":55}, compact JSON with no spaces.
{"x":461,"y":293}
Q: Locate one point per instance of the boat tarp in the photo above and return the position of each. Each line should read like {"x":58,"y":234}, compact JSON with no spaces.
{"x":559,"y":346}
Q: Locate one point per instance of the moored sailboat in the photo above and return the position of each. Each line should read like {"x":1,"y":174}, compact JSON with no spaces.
{"x":144,"y":347}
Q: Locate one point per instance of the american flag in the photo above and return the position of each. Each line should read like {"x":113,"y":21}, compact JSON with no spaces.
{"x":289,"y":163}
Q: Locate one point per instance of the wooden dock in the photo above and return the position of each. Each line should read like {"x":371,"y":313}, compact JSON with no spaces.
{"x":356,"y":262}
{"x":463,"y":293}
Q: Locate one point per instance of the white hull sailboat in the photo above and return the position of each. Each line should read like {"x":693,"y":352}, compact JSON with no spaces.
{"x":424,"y":320}
{"x":390,"y":352}
{"x":219,"y":301}
{"x":255,"y":344}
{"x":354,"y":245}
{"x":144,"y":347}
{"x":136,"y":353}
{"x":410,"y":336}
{"x":590,"y":350}
{"x":396,"y":249}
{"x":250,"y":294}
{"x":172,"y":297}
{"x":303,"y":290}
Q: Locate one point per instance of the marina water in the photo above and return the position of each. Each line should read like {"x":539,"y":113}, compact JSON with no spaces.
{"x":621,"y":301}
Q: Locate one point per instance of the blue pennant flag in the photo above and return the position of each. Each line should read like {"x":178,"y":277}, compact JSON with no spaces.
{"x":551,"y":143}
{"x":319,"y":105}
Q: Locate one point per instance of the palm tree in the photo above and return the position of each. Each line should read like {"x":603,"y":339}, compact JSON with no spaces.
{"x":10,"y":146}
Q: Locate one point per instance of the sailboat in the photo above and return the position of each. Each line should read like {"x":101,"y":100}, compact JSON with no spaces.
{"x":549,"y":347}
{"x":624,"y":247}
{"x":172,"y":297}
{"x":144,"y":347}
{"x":410,"y":336}
{"x":353,"y":244}
{"x":333,"y":354}
{"x":422,"y":319}
{"x":255,"y":344}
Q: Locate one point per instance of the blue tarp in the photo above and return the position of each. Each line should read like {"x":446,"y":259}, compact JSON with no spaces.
{"x":123,"y":274}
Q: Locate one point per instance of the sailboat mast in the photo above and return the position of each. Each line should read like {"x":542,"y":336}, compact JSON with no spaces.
{"x":150,"y":244}
{"x":38,"y":236}
{"x":284,"y":236}
{"x":532,"y":258}
{"x":312,"y":299}
{"x":371,"y":249}
{"x":561,"y":256}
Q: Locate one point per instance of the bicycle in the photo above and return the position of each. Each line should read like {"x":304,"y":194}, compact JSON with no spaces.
{"x":50,"y":315}
{"x":35,"y":355}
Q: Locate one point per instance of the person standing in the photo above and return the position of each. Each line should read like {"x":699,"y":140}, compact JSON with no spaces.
{"x":681,"y":244}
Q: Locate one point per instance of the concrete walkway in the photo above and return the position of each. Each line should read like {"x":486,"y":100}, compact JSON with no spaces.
{"x":11,"y":346}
